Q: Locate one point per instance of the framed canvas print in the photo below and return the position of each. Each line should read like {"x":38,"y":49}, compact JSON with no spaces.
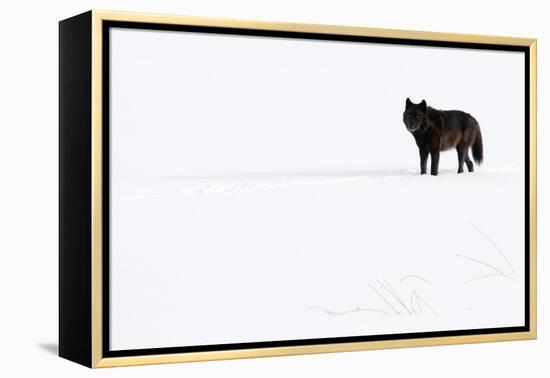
{"x":238,"y":189}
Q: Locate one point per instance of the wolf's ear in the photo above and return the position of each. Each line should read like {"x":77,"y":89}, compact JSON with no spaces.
{"x":408,"y":103}
{"x":423,"y":104}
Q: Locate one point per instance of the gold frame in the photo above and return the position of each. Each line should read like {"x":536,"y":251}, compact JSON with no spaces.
{"x":99,"y":16}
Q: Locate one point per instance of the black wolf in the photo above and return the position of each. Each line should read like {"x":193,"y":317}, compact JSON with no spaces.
{"x":439,"y":130}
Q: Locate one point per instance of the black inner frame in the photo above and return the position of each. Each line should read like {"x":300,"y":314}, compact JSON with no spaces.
{"x":106,"y":25}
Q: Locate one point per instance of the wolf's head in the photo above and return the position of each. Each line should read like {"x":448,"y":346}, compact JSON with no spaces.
{"x":414,"y":116}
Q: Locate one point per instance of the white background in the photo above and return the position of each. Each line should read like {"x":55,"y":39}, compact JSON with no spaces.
{"x":28,"y":149}
{"x":189,"y":104}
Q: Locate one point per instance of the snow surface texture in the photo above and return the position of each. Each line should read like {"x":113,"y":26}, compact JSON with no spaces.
{"x":268,"y":190}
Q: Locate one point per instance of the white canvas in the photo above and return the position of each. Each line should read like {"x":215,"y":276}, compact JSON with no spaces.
{"x":266,"y":189}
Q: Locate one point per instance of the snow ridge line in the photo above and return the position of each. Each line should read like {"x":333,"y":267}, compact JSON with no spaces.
{"x":240,"y":187}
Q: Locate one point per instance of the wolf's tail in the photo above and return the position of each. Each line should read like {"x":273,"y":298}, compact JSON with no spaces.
{"x":477,"y":148}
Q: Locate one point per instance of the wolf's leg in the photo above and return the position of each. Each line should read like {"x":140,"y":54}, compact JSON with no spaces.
{"x":435,"y":161}
{"x":423,"y":160}
{"x":462,"y":152}
{"x":469,"y":163}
